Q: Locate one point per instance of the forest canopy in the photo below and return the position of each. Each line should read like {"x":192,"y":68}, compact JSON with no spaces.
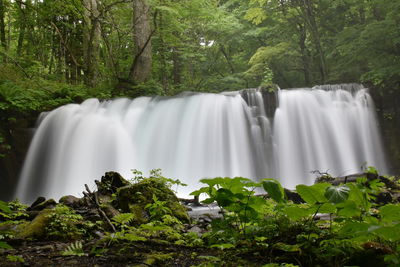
{"x":145,"y":47}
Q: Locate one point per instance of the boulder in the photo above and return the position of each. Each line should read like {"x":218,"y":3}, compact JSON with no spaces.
{"x":35,"y":228}
{"x":133,"y":198}
{"x":71,"y":201}
{"x":110,"y":182}
{"x":41,"y":204}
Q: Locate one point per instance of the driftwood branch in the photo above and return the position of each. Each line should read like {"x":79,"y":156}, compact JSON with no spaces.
{"x":95,"y":199}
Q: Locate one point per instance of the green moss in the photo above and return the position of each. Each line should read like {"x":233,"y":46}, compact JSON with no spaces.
{"x":135,"y":197}
{"x":36,"y":228}
{"x":158,"y":258}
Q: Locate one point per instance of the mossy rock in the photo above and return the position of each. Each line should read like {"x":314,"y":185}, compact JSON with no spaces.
{"x":135,"y":197}
{"x":110,"y":182}
{"x":36,"y":228}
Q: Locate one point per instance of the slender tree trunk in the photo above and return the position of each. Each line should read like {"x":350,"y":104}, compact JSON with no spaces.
{"x":3,"y":25}
{"x":91,"y":43}
{"x":177,"y":66}
{"x":163,"y":52}
{"x":141,"y":66}
{"x":304,"y":53}
{"x":22,"y":26}
{"x":309,"y":16}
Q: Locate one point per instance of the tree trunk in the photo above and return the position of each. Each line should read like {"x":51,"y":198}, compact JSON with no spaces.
{"x":304,"y":53}
{"x":22,"y":26}
{"x":141,"y":66}
{"x":91,"y":42}
{"x":309,"y":17}
{"x":3,"y":25}
{"x":177,"y":66}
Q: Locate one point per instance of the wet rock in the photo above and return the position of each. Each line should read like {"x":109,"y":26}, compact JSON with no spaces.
{"x":37,"y":202}
{"x":110,"y":182}
{"x":196,"y":229}
{"x":110,"y":211}
{"x":35,"y":228}
{"x":47,"y":204}
{"x":384,"y":198}
{"x":293,"y":196}
{"x":133,"y":198}
{"x":71,"y":201}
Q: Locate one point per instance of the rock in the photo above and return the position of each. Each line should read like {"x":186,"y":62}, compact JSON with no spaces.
{"x":50,"y":203}
{"x":110,"y":211}
{"x":110,"y":182}
{"x":36,"y":228}
{"x":384,"y":198}
{"x":70,"y":201}
{"x":37,"y":202}
{"x":293,"y":196}
{"x":133,"y":198}
{"x":196,"y":229}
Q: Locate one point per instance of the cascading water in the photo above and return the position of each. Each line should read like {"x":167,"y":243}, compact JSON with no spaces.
{"x":193,"y":135}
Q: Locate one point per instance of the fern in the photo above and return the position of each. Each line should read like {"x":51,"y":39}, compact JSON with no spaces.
{"x":124,"y":218}
{"x":75,"y":249}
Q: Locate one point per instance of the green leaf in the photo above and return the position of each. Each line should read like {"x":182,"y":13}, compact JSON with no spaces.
{"x":327,"y":208}
{"x":223,"y":246}
{"x":390,"y":213}
{"x":296,"y":213}
{"x":4,"y":207}
{"x":390,"y":233}
{"x":287,"y":247}
{"x":274,"y":189}
{"x":224,"y":197}
{"x":358,"y":197}
{"x":313,"y":194}
{"x":5,"y":245}
{"x":337,"y":194}
{"x":354,"y":229}
{"x":348,"y":209}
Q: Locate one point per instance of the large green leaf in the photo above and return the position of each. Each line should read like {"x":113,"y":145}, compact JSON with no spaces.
{"x":5,"y":245}
{"x":348,"y":209}
{"x":313,"y":194}
{"x":390,"y":233}
{"x":297,"y":213}
{"x":274,"y":189}
{"x":390,"y":213}
{"x":224,"y":197}
{"x":4,"y":207}
{"x":354,"y":229}
{"x":337,"y":194}
{"x":358,"y":197}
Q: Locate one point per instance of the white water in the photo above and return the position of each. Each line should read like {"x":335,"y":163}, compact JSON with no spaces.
{"x":192,"y":136}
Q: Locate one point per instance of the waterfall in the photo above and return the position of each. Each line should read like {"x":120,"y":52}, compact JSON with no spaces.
{"x":197,"y":135}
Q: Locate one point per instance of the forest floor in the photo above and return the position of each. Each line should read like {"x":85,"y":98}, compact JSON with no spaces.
{"x":145,"y":224}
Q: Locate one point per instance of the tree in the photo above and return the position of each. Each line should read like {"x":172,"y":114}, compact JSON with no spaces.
{"x":141,"y":67}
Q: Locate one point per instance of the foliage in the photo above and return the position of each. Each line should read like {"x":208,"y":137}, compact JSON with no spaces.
{"x":353,"y":220}
{"x":74,"y":249}
{"x":156,"y":174}
{"x":64,"y":223}
{"x":15,"y":258}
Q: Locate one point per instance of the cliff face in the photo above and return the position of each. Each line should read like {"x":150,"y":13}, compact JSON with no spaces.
{"x":18,"y":137}
{"x":387,"y":102}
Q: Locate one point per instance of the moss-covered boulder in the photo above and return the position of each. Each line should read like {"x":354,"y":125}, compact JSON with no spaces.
{"x":134,"y":198}
{"x":71,"y":201}
{"x":35,"y":229}
{"x":110,"y":182}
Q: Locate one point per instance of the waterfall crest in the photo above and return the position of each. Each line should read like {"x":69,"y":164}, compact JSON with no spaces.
{"x":197,"y":135}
